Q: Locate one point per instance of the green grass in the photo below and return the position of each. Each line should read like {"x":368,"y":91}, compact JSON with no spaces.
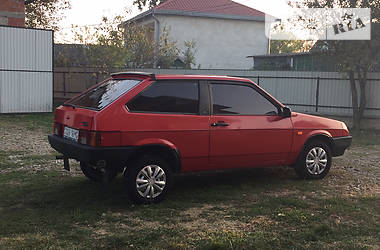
{"x":247,"y":209}
{"x":42,"y":121}
{"x":5,"y":158}
{"x":48,"y":209}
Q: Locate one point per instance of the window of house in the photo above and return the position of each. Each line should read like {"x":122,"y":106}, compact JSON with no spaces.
{"x":233,"y":99}
{"x":179,"y":97}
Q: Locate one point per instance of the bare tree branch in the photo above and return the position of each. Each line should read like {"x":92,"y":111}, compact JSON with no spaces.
{"x":29,"y":2}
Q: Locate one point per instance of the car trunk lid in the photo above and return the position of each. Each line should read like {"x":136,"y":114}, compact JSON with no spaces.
{"x":75,"y":117}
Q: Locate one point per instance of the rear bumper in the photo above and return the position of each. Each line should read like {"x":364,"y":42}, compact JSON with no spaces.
{"x":340,"y":144}
{"x":85,"y":153}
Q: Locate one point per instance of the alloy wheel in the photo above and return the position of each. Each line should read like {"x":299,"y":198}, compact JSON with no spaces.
{"x":316,"y":161}
{"x":151,"y":181}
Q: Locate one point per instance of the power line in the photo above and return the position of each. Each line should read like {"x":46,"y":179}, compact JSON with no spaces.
{"x":89,"y":25}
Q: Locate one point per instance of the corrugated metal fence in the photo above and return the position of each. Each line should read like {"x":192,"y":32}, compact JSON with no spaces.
{"x":324,"y":93}
{"x":26,"y":70}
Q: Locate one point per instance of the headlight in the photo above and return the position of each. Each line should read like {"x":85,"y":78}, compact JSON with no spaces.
{"x":344,"y":126}
{"x":345,"y":130}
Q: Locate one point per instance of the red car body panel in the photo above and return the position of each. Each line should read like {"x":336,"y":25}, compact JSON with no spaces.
{"x":306,"y":126}
{"x":188,"y":134}
{"x":75,"y":118}
{"x":248,"y":141}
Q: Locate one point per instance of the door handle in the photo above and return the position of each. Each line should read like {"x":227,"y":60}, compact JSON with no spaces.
{"x":219,"y":124}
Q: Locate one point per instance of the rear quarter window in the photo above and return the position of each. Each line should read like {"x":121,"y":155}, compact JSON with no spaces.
{"x":177,"y":97}
{"x":104,"y":94}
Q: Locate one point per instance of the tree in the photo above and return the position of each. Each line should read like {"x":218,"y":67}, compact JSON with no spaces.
{"x":111,"y":45}
{"x":356,"y":58}
{"x":289,"y":46}
{"x":167,"y":51}
{"x":189,"y":54}
{"x":151,"y":3}
{"x":103,"y":44}
{"x":45,"y":14}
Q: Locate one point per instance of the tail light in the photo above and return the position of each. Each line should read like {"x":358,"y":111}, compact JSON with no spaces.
{"x":57,"y":129}
{"x":90,"y":138}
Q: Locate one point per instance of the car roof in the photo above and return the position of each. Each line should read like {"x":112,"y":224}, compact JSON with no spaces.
{"x":177,"y":76}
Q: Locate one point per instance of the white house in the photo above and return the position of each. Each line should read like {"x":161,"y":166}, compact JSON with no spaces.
{"x":224,"y":32}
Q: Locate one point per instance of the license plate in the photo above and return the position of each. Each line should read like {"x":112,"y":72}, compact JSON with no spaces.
{"x":71,"y":134}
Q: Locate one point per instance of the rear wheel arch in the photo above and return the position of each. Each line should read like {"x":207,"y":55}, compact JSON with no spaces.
{"x":170,"y":155}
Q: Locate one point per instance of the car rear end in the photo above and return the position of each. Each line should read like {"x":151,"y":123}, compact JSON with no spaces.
{"x":75,"y":133}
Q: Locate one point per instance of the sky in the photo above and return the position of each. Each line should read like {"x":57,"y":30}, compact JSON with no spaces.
{"x":277,"y":8}
{"x":85,"y":12}
{"x":90,"y":12}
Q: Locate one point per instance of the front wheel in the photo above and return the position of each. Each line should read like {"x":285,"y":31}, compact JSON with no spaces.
{"x":147,"y":179}
{"x":314,"y":161}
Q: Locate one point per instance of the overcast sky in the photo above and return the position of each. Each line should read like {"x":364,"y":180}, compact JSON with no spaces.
{"x":90,"y":12}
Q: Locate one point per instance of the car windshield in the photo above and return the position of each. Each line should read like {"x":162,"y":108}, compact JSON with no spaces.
{"x":104,"y":94}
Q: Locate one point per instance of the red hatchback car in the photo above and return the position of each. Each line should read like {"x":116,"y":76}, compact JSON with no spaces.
{"x":150,"y":126}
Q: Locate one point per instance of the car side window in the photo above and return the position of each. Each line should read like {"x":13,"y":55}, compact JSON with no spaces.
{"x":178,"y":97}
{"x":234,"y":99}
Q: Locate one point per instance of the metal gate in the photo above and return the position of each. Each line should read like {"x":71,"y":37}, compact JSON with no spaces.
{"x":26,"y":70}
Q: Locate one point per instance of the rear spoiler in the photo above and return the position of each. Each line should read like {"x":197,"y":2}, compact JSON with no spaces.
{"x":151,"y":75}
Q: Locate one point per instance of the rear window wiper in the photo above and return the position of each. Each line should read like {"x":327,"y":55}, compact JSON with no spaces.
{"x":68,"y":105}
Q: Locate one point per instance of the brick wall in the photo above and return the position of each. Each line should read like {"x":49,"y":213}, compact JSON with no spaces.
{"x":12,"y":13}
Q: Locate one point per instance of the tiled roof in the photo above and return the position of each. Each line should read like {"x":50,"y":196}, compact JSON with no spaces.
{"x":226,"y":7}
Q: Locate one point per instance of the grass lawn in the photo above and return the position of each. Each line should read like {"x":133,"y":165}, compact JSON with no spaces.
{"x":43,"y":206}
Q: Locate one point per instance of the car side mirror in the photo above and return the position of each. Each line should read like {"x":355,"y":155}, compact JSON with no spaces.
{"x":286,"y":112}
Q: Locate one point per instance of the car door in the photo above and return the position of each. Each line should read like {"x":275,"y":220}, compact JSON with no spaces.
{"x":246,"y":127}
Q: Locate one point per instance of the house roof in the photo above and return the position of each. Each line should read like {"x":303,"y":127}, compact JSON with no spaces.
{"x":224,"y":9}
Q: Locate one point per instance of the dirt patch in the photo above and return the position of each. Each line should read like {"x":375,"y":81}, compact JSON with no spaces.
{"x":210,"y":218}
{"x":195,"y":221}
{"x":24,"y":144}
{"x":16,"y":138}
{"x":283,"y":193}
{"x":16,"y":163}
{"x":357,"y":172}
{"x":127,"y":222}
{"x":132,"y":220}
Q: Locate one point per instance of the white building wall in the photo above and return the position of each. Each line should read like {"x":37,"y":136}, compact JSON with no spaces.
{"x":26,"y":70}
{"x":220,"y":43}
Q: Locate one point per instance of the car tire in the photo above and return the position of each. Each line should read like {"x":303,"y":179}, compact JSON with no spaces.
{"x":147,"y":179}
{"x":94,"y":174}
{"x":314,"y":161}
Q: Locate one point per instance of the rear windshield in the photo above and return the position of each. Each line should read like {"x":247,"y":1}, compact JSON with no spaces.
{"x":104,"y":94}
